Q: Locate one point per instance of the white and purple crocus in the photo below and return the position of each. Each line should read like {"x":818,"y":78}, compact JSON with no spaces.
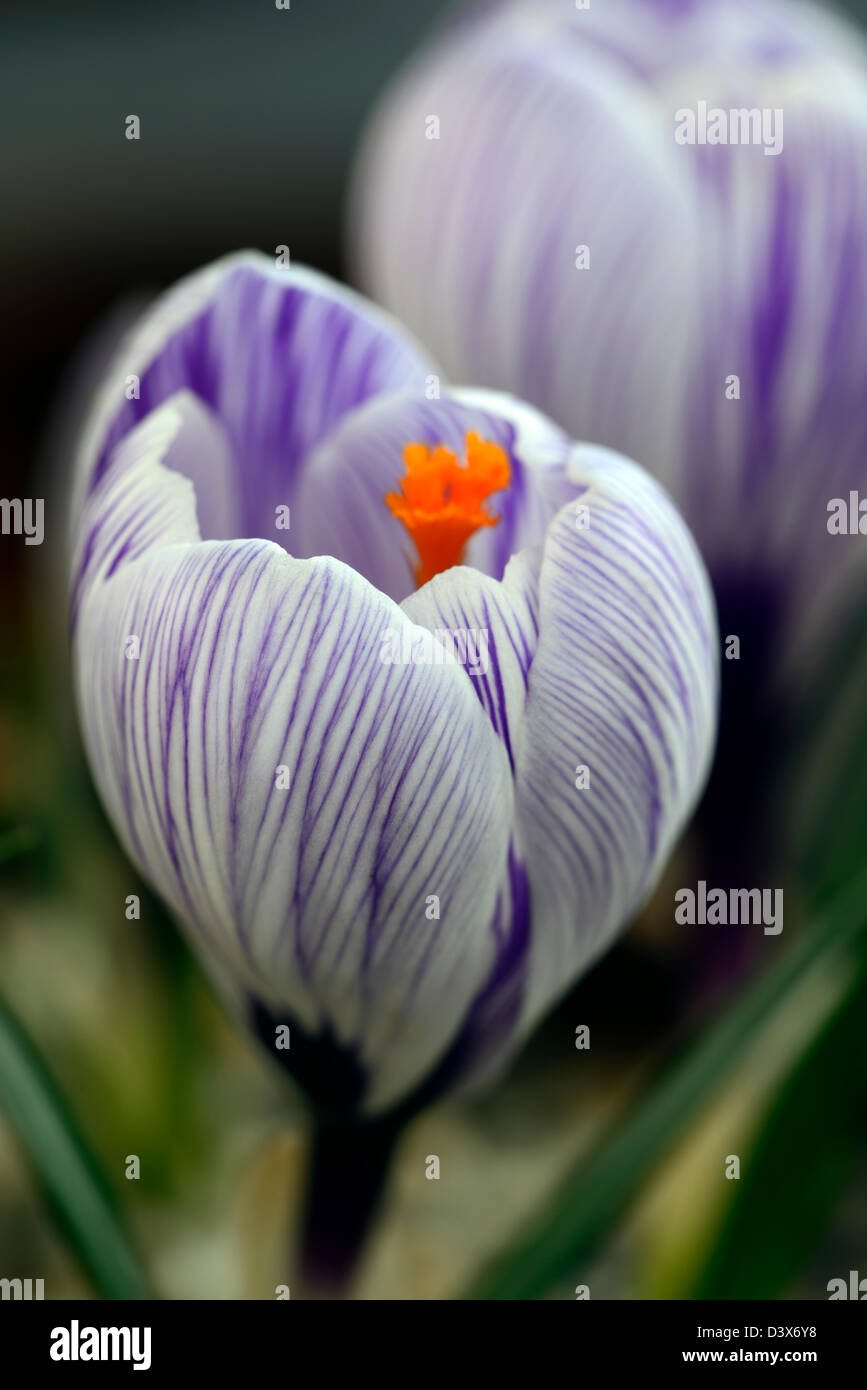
{"x":279,"y":520}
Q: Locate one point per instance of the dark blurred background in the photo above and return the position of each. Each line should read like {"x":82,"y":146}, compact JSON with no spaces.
{"x":249,"y":117}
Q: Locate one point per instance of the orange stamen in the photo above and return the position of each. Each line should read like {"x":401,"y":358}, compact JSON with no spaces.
{"x":440,"y":499}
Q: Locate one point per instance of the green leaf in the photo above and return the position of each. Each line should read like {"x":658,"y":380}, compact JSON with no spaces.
{"x":843,"y":668}
{"x":824,"y":785}
{"x":600,"y":1188}
{"x":72,"y":1182}
{"x":760,"y":1249}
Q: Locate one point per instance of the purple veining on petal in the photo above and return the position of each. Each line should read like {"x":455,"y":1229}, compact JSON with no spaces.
{"x":490,"y":1031}
{"x":500,"y":623}
{"x":335,"y":1076}
{"x":623,"y":682}
{"x":279,"y":359}
{"x":382,"y":765}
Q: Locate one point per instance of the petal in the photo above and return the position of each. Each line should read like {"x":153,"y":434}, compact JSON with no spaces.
{"x":623,"y":682}
{"x":651,"y":39}
{"x":311,"y":899}
{"x":784,"y":297}
{"x":341,"y":509}
{"x":491,"y":628}
{"x":601,"y":651}
{"x":277,"y":354}
{"x":545,"y":145}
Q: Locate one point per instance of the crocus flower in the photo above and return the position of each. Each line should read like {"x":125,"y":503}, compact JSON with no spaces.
{"x":528,"y":194}
{"x":384,"y":850}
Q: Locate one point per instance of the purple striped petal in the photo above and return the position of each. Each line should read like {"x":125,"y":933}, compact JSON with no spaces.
{"x":312,"y":899}
{"x":784,"y":308}
{"x":277,"y":355}
{"x":624,"y":684}
{"x":494,"y":626}
{"x":602,"y":654}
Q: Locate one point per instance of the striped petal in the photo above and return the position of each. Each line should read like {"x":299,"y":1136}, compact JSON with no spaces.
{"x":623,"y":684}
{"x":602,"y":656}
{"x":276,"y":354}
{"x":784,"y":326}
{"x":491,"y":627}
{"x":207,"y":672}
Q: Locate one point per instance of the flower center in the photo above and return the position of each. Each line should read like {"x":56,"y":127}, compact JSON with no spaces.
{"x":440,"y":499}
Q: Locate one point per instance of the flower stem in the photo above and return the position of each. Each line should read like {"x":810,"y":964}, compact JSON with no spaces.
{"x":346,"y":1176}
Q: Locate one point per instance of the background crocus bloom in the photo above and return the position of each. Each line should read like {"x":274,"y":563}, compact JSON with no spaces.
{"x":300,"y":802}
{"x":555,"y":130}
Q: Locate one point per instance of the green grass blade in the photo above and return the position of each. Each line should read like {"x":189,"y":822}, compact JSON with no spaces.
{"x":597,"y":1192}
{"x":68,"y":1174}
{"x":760,"y":1249}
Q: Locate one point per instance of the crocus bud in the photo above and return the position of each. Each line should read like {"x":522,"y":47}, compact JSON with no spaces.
{"x":340,"y":643}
